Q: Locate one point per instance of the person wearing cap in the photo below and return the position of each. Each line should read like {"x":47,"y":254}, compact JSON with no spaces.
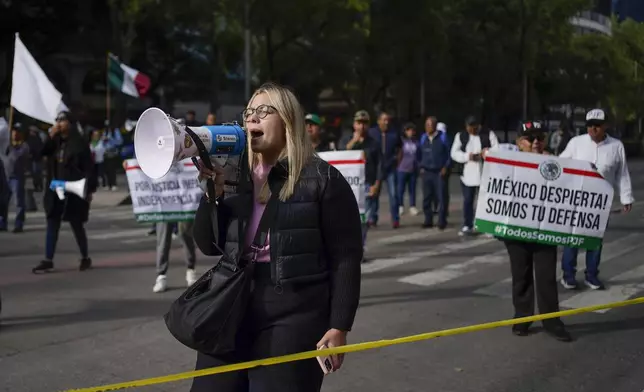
{"x":18,"y":162}
{"x":607,"y":154}
{"x":69,"y":159}
{"x":362,"y":140}
{"x":313,"y":127}
{"x":533,"y":264}
{"x":5,"y":138}
{"x":469,"y":148}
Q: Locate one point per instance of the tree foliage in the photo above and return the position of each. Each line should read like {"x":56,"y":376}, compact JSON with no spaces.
{"x":463,"y":56}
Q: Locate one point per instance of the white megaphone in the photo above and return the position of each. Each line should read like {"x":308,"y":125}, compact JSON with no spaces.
{"x":76,"y":187}
{"x":160,"y":141}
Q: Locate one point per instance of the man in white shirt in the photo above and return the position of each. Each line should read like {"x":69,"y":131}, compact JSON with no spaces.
{"x":469,"y":148}
{"x":609,"y":158}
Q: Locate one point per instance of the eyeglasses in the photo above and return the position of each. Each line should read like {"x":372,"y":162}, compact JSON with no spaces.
{"x":262,"y":111}
{"x":60,"y":119}
{"x":532,"y":138}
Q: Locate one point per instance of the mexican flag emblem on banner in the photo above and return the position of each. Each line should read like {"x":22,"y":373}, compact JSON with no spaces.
{"x":127,"y":79}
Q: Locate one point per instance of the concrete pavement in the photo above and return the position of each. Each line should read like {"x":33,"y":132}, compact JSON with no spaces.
{"x":69,"y":329}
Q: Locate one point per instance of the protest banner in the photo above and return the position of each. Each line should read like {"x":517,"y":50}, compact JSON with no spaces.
{"x":171,"y":198}
{"x":544,"y":199}
{"x":351,"y":165}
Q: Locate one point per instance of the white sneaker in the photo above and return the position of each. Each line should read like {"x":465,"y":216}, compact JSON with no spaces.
{"x":191,"y":277}
{"x":465,"y":231}
{"x":115,"y":188}
{"x":401,"y":210}
{"x":413,"y":210}
{"x":160,"y":285}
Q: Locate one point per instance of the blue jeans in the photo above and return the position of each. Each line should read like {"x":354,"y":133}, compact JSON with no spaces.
{"x":17,"y":190}
{"x":369,"y":202}
{"x":432,"y":190}
{"x":408,"y":179}
{"x":393,"y":200}
{"x":469,"y":194}
{"x":569,"y":262}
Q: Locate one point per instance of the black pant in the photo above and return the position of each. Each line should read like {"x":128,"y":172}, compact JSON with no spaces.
{"x":53,"y":227}
{"x":277,"y":323}
{"x":524,"y":257}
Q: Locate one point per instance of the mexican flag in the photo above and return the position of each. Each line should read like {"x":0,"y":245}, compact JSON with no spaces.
{"x":127,"y":79}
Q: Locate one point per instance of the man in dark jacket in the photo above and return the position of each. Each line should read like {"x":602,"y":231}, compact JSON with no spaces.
{"x":69,"y":159}
{"x":362,"y":140}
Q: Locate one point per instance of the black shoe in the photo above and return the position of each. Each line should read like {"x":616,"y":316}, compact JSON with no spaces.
{"x":521,"y":329}
{"x":18,"y":230}
{"x":43,"y":266}
{"x":85,"y":264}
{"x":428,"y":225}
{"x":559,"y":333}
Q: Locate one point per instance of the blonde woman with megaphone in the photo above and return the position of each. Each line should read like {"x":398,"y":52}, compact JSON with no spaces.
{"x":294,"y":227}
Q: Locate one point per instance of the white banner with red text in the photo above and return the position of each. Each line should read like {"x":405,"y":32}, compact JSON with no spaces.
{"x":171,"y":198}
{"x":544,"y":199}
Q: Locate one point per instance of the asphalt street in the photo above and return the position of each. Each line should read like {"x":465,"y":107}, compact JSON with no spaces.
{"x":70,"y":329}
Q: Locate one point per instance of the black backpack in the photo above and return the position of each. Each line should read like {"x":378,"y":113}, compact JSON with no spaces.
{"x":483,"y":134}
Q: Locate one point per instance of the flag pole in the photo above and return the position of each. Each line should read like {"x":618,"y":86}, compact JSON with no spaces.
{"x":107,"y":89}
{"x":11,"y":85}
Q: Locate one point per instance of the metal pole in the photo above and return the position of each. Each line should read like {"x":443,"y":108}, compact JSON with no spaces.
{"x":422,"y":85}
{"x":247,"y":69}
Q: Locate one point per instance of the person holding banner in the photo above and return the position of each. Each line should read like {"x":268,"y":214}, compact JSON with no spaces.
{"x":531,"y":262}
{"x":69,"y":159}
{"x":374,"y":175}
{"x":609,"y":157}
{"x":306,"y":253}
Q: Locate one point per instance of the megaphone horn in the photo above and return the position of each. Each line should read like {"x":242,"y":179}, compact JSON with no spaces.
{"x":76,"y":187}
{"x":160,"y":141}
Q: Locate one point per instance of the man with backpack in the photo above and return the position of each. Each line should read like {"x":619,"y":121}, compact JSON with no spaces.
{"x":470,"y":148}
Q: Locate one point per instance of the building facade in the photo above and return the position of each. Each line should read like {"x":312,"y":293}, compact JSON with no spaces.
{"x":596,"y":20}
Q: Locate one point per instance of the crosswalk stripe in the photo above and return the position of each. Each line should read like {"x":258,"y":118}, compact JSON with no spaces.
{"x":455,"y":270}
{"x":110,"y":235}
{"x":611,"y":251}
{"x":616,"y":287}
{"x":400,"y":238}
{"x":619,"y":288}
{"x":384,"y":263}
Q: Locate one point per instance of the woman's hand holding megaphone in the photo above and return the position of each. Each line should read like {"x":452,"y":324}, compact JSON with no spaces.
{"x":217,"y":174}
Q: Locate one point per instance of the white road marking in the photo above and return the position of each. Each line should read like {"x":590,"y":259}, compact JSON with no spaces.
{"x":380,"y":264}
{"x":611,"y":251}
{"x":119,"y":234}
{"x":455,"y":270}
{"x":396,"y":239}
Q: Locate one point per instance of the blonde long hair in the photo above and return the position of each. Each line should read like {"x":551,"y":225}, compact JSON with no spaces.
{"x":298,"y":149}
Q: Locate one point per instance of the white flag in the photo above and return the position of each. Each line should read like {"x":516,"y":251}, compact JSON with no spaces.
{"x":31,"y":91}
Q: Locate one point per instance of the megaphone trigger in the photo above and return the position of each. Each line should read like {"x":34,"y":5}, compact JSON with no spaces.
{"x":61,"y":193}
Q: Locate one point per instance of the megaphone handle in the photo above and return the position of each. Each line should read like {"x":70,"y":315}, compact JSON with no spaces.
{"x":205,"y":160}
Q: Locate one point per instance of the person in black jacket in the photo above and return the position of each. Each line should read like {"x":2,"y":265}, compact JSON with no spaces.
{"x":306,"y":284}
{"x":532,"y":263}
{"x":70,"y":159}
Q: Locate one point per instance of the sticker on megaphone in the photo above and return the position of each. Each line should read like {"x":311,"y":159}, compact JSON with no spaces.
{"x":75,"y":187}
{"x":160,"y":142}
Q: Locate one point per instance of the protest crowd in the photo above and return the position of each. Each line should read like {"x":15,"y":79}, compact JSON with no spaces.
{"x":284,"y":224}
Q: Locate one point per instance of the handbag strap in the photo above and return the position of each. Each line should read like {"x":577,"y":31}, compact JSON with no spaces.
{"x":205,"y":159}
{"x":264,"y":225}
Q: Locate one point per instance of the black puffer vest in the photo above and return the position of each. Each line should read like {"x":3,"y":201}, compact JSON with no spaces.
{"x":296,"y":242}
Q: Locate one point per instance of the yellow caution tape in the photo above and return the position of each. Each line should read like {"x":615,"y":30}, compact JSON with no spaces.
{"x":351,"y":348}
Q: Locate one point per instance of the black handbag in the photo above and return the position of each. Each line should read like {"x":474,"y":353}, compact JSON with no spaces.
{"x":208,"y":315}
